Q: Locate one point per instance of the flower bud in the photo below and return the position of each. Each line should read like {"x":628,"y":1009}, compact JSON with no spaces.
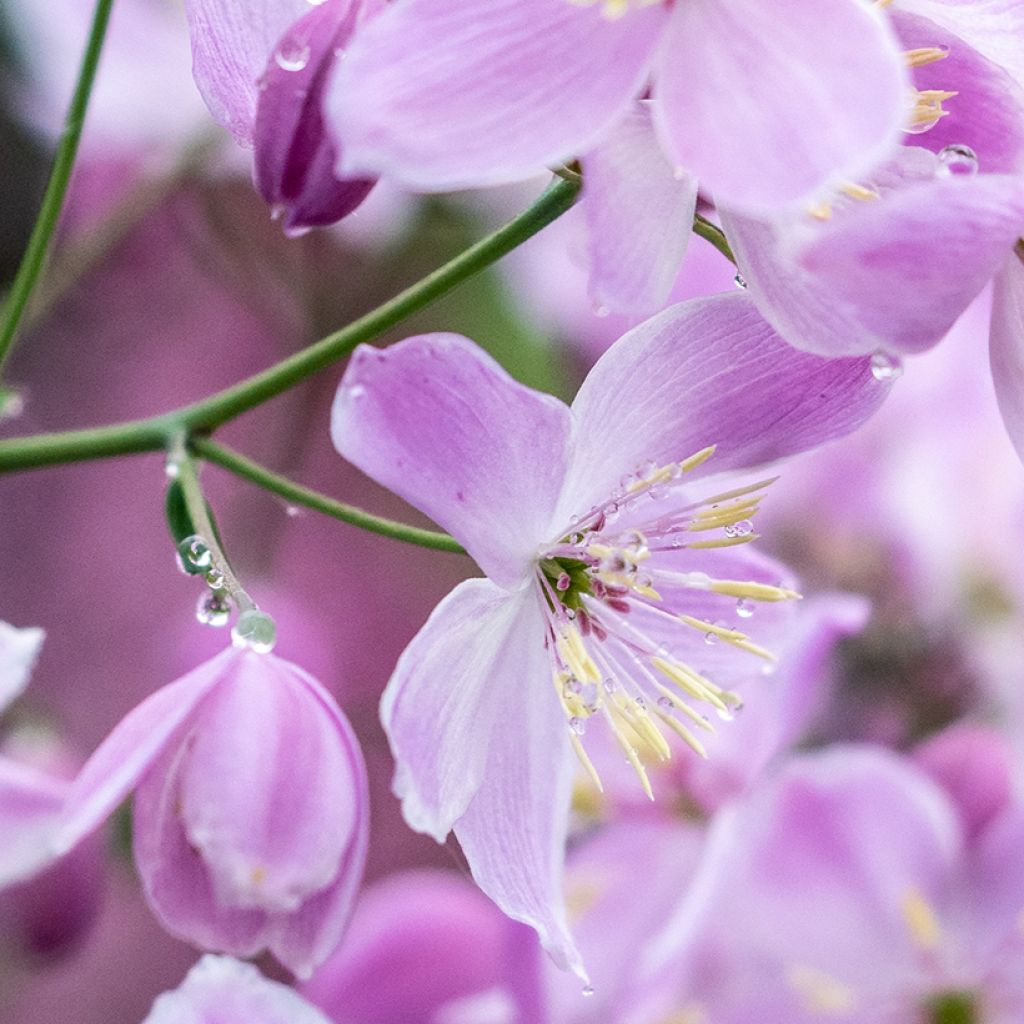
{"x":250,"y":814}
{"x":295,"y":155}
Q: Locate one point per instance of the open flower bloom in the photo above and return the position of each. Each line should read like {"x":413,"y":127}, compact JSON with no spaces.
{"x":262,"y":71}
{"x":850,"y":889}
{"x":618,"y":584}
{"x":445,"y":94}
{"x":250,"y":817}
{"x":219,"y":990}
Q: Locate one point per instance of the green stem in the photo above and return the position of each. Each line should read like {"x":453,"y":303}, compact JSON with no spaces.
{"x":259,"y":475}
{"x":715,"y":235}
{"x":56,"y":189}
{"x":154,"y":433}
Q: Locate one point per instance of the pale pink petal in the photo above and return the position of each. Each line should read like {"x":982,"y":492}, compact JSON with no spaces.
{"x":437,"y":421}
{"x":767,"y":103}
{"x":708,"y":372}
{"x":1006,"y":348}
{"x":445,"y":699}
{"x":514,"y":832}
{"x":135,"y":743}
{"x":463,"y":93}
{"x":231,"y":43}
{"x":639,"y":217}
{"x":19,"y":649}
{"x":30,"y":803}
{"x":219,"y":990}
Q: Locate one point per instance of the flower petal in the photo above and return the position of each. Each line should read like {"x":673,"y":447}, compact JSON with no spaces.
{"x":1006,"y":348}
{"x":445,"y":697}
{"x":219,"y":990}
{"x":30,"y":803}
{"x":231,"y":42}
{"x":19,"y":649}
{"x":514,"y":831}
{"x":135,"y":743}
{"x":891,"y":274}
{"x":708,"y":371}
{"x":766,"y":104}
{"x":273,"y":788}
{"x":437,"y":421}
{"x":639,"y":218}
{"x":463,"y":93}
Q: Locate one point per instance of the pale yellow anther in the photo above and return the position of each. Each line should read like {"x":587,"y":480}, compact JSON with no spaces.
{"x":740,"y":492}
{"x":631,"y":754}
{"x":614,"y":9}
{"x":820,"y":992}
{"x":880,"y":4}
{"x":691,"y":1014}
{"x":683,"y":733}
{"x":756,"y":649}
{"x":710,"y":628}
{"x":697,"y":459}
{"x":923,"y":55}
{"x":721,"y":542}
{"x":753,"y":591}
{"x":921,"y":919}
{"x":574,"y":654}
{"x":821,"y":211}
{"x":859,"y":192}
{"x":621,"y":580}
{"x":690,"y":682}
{"x":680,"y":705}
{"x":643,"y":727}
{"x":584,"y":760}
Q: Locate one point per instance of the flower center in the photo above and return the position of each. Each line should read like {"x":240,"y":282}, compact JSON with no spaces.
{"x":616,"y":602}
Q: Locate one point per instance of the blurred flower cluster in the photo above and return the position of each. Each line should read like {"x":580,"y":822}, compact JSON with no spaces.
{"x":707,"y":706}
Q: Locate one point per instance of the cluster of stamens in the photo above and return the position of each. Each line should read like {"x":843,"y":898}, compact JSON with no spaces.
{"x":601,"y":592}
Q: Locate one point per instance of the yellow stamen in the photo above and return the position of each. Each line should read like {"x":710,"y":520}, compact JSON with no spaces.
{"x":921,"y":919}
{"x":821,"y":211}
{"x":923,"y":55}
{"x":683,"y":733}
{"x":820,"y":992}
{"x":860,"y":192}
{"x":753,"y":591}
{"x":697,"y":459}
{"x":678,"y":705}
{"x":584,"y":760}
{"x":690,"y":683}
{"x":709,"y":627}
{"x":721,"y":542}
{"x":631,"y":755}
{"x":574,"y":654}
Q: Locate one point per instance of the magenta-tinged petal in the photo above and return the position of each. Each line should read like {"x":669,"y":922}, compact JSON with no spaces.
{"x":219,"y":990}
{"x":437,"y":421}
{"x":135,"y":743}
{"x":268,"y":785}
{"x":231,"y":41}
{"x":391,"y":966}
{"x":639,"y":218}
{"x":463,"y":93}
{"x":767,"y":103}
{"x":514,"y":831}
{"x":19,"y":649}
{"x":708,"y":372}
{"x":891,"y":274}
{"x":294,"y":156}
{"x":445,"y":697}
{"x":1006,"y":348}
{"x":30,"y":803}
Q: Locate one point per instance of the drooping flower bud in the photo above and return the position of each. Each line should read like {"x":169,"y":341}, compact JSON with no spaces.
{"x":295,"y":156}
{"x":250,"y":814}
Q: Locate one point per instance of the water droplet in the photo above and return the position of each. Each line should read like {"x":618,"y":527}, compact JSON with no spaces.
{"x":744,"y":608}
{"x":958,"y":160}
{"x":292,"y":56}
{"x":740,"y":281}
{"x":710,"y":638}
{"x":194,"y":555}
{"x":213,"y":610}
{"x":678,"y":173}
{"x":744,"y":528}
{"x":572,"y":687}
{"x":725,"y":714}
{"x":171,"y":471}
{"x":578,"y":725}
{"x":277,"y":211}
{"x":601,"y":311}
{"x":641,"y":703}
{"x":293,"y":511}
{"x":885,"y":367}
{"x":214,"y":578}
{"x":356,"y":392}
{"x":588,"y":990}
{"x":255,"y":630}
{"x":666,"y":703}
{"x":610,"y":686}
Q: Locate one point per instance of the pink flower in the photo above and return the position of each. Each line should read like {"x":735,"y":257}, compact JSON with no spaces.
{"x":613,"y":590}
{"x":450,"y":93}
{"x":219,"y":990}
{"x":250,"y":814}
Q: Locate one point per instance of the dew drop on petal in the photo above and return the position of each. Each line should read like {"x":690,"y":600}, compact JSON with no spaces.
{"x":578,"y":725}
{"x":957,"y":160}
{"x":194,"y":555}
{"x":255,"y":630}
{"x":744,"y":528}
{"x":601,"y":311}
{"x":356,"y":392}
{"x":214,"y":578}
{"x":885,"y":367}
{"x":666,"y":703}
{"x":710,"y":639}
{"x":740,"y":281}
{"x":292,"y":56}
{"x":744,"y":608}
{"x":588,"y":990}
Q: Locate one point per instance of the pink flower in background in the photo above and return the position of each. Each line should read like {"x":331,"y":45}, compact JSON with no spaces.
{"x":616,"y":591}
{"x":443,"y":94}
{"x":250,"y":813}
{"x":849,"y":888}
{"x":219,"y":990}
{"x":262,"y":70}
